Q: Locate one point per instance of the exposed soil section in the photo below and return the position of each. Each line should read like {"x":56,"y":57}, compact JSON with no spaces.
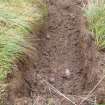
{"x":60,"y":58}
{"x":66,"y":60}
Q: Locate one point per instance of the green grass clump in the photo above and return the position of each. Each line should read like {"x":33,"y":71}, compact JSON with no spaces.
{"x":17,"y":18}
{"x":95,"y":13}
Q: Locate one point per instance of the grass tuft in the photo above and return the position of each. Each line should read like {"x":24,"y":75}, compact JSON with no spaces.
{"x":17,"y":18}
{"x":95,"y":13}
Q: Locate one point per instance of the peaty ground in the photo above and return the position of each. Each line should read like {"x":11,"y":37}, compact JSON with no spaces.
{"x":65,"y":68}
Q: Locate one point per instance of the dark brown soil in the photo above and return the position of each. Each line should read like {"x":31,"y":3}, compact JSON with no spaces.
{"x":65,"y":60}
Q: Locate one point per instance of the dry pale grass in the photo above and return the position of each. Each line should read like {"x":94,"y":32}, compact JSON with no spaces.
{"x":3,"y":93}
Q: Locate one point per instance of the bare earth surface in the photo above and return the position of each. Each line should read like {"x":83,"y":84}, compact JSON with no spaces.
{"x":66,"y":64}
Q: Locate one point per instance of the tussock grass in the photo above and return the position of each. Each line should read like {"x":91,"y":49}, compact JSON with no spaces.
{"x":17,"y":18}
{"x":95,"y":13}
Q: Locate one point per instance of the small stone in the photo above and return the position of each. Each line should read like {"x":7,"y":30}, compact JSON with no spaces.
{"x":25,"y":102}
{"x":72,"y":16}
{"x":52,"y":80}
{"x":67,"y":72}
{"x":48,"y":36}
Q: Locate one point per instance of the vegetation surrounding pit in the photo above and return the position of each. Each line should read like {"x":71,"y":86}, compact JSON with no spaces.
{"x":95,"y":13}
{"x":17,"y":20}
{"x":60,"y":58}
{"x":17,"y":17}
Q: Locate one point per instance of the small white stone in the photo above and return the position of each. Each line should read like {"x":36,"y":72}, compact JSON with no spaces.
{"x":48,"y":36}
{"x":25,"y":102}
{"x":67,"y":72}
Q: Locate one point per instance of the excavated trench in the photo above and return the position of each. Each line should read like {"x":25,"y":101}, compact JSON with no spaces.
{"x":64,"y":62}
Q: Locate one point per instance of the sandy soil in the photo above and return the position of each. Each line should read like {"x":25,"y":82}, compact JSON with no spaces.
{"x":66,"y":62}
